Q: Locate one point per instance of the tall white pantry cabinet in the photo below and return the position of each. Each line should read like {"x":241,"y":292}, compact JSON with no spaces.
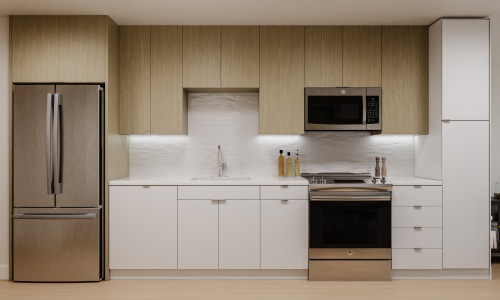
{"x":457,"y":149}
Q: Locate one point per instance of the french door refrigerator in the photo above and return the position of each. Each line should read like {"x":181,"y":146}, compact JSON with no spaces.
{"x":57,"y":182}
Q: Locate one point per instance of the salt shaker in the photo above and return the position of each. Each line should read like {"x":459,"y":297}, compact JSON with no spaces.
{"x":377,"y":167}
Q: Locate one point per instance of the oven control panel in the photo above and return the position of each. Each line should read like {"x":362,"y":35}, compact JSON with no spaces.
{"x":372,"y":110}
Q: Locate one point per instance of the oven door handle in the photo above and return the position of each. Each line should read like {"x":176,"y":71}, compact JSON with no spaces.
{"x":349,"y":198}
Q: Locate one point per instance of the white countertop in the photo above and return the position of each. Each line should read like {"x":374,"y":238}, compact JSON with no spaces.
{"x":189,"y":181}
{"x":414,"y":181}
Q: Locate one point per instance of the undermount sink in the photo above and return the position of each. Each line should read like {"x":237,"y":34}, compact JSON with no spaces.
{"x":224,"y":178}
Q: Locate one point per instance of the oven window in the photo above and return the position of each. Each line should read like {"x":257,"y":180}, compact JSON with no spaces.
{"x":335,"y":109}
{"x":350,"y":227}
{"x":350,"y":224}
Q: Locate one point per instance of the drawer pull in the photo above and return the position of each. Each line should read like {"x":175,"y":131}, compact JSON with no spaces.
{"x":284,"y":200}
{"x":284,"y":186}
{"x":417,"y":228}
{"x":417,"y":186}
{"x":417,"y":206}
{"x":417,"y":249}
{"x":146,"y":186}
{"x":219,"y":201}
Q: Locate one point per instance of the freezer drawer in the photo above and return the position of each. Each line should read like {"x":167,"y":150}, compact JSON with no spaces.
{"x":56,"y":245}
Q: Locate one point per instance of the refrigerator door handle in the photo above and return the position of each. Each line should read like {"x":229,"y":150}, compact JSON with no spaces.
{"x":57,"y":143}
{"x":48,"y":141}
{"x":50,"y":216}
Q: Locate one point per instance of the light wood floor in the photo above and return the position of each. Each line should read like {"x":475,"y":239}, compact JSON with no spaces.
{"x":257,"y":289}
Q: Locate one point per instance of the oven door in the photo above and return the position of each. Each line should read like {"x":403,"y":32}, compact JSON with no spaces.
{"x":335,"y":109}
{"x":350,"y":224}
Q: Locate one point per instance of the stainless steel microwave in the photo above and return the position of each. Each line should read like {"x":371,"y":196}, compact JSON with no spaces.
{"x":343,"y":109}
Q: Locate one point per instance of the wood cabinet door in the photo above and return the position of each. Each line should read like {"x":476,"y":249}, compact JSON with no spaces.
{"x":405,"y":69}
{"x":168,"y":101}
{"x":82,"y":48}
{"x":284,"y":234}
{"x":239,"y":57}
{"x":281,"y":95}
{"x":135,"y":79}
{"x":466,"y":195}
{"x":34,"y":48}
{"x":239,"y":234}
{"x":143,"y":227}
{"x":323,"y":56}
{"x":361,"y":56}
{"x":201,"y":56}
{"x":198,"y":234}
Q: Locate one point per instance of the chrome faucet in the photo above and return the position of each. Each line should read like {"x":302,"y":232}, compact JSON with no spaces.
{"x":220,"y":162}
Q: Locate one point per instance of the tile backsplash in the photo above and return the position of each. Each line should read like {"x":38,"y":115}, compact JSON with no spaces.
{"x":232,"y":121}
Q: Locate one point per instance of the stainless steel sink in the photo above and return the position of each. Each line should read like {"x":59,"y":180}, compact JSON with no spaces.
{"x":224,"y":178}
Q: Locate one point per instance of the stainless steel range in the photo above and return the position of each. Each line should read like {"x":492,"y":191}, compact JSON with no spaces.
{"x":349,"y":227}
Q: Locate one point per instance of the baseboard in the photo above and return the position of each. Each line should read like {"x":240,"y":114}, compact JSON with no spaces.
{"x":442,"y":274}
{"x":208,"y":274}
{"x":4,"y":272}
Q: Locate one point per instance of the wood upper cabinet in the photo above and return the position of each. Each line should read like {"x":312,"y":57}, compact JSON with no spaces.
{"x":281,"y":103}
{"x":405,"y":92}
{"x":34,"y":48}
{"x":361,"y":56}
{"x":239,"y":57}
{"x":201,"y":57}
{"x":323,"y":56}
{"x":82,"y":48}
{"x":59,"y":48}
{"x":168,"y":101}
{"x":135,"y":79}
{"x":151,"y":96}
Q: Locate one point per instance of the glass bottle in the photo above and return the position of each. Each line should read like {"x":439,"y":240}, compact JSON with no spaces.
{"x":297,"y":164}
{"x":288,"y":163}
{"x":281,"y":164}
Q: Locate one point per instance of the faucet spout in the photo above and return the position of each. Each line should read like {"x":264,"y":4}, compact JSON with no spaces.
{"x":220,"y":162}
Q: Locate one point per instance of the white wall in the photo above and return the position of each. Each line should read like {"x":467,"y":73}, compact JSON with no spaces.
{"x":4,"y":148}
{"x":495,"y":100}
{"x":232,"y":120}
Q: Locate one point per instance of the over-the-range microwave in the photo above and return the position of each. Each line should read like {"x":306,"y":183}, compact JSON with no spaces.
{"x":343,"y":109}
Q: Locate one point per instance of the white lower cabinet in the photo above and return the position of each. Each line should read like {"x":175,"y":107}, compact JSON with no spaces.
{"x":284,"y":234}
{"x":198,"y":234}
{"x":417,"y":233}
{"x":222,"y":233}
{"x":239,"y":234}
{"x":417,"y":259}
{"x":143,"y":227}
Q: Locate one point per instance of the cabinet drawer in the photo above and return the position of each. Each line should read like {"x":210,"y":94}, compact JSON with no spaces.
{"x":284,"y":192}
{"x":218,"y":192}
{"x":417,"y":216}
{"x":417,"y":259}
{"x":417,"y":195}
{"x":417,"y":237}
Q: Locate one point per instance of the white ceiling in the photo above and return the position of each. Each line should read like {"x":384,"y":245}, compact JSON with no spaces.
{"x":258,"y":12}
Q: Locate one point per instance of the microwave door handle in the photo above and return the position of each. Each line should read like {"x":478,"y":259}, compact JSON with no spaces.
{"x":364,"y":109}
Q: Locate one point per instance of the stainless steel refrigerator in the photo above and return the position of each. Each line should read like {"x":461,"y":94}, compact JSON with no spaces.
{"x":57,"y":182}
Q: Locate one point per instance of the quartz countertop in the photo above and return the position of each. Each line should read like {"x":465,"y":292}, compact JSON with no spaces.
{"x":414,"y":181}
{"x":212,"y":181}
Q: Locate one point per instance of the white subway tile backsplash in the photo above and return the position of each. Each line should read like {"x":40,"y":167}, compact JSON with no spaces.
{"x":232,"y":121}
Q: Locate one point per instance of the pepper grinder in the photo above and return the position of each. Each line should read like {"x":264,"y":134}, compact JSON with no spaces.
{"x":384,"y":170}
{"x":377,"y":167}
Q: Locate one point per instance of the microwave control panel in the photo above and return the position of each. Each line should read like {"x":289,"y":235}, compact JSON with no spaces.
{"x":372,"y":110}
